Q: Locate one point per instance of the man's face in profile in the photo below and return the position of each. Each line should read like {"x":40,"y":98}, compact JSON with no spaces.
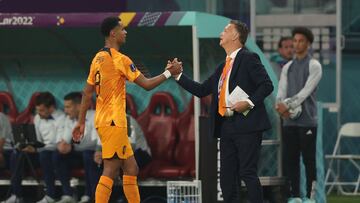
{"x":301,"y":44}
{"x":228,"y":35}
{"x":119,"y":33}
{"x":43,"y":111}
{"x":71,"y":109}
{"x":286,"y":50}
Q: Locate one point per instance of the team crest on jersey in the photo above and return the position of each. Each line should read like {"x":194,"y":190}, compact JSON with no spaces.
{"x":133,"y":67}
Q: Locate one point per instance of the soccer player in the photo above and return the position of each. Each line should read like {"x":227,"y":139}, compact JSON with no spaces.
{"x":108,"y":73}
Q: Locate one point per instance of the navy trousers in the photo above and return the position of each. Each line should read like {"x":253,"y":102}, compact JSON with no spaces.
{"x":66,"y":162}
{"x":239,"y":156}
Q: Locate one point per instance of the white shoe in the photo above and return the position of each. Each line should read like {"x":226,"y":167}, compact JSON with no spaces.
{"x":84,"y":199}
{"x":307,"y":200}
{"x":66,"y":199}
{"x":295,"y":200}
{"x":13,"y":199}
{"x":46,"y":199}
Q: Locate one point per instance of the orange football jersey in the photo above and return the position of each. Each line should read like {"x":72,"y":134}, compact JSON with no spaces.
{"x":108,"y":73}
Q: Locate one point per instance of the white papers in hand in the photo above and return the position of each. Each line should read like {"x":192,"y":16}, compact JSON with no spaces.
{"x":237,"y":95}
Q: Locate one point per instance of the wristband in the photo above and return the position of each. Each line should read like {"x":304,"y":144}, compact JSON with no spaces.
{"x":167,"y":74}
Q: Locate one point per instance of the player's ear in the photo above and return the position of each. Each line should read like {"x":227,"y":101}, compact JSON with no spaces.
{"x":112,"y":33}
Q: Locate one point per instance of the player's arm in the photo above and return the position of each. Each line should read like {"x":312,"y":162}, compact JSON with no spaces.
{"x":151,"y":83}
{"x":78,"y":130}
{"x":85,"y":101}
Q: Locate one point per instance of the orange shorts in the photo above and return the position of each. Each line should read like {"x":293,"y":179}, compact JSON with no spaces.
{"x":115,"y":140}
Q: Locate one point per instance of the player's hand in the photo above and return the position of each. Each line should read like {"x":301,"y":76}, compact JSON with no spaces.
{"x":98,"y":157}
{"x":240,"y":106}
{"x":29,"y":149}
{"x":175,"y":67}
{"x":63,"y":147}
{"x":282,"y":110}
{"x":78,"y":132}
{"x":168,"y":65}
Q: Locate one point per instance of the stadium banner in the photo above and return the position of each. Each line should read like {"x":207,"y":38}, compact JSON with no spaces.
{"x":52,"y":20}
{"x":132,"y":19}
{"x":62,"y":6}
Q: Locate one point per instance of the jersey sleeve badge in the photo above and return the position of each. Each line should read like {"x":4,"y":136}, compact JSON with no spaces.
{"x":132,"y":67}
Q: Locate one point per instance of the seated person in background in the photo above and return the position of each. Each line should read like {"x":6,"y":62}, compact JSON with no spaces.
{"x":284,"y":54}
{"x":138,"y":142}
{"x":5,"y":141}
{"x":68,"y":154}
{"x":6,"y":149}
{"x":49,"y":123}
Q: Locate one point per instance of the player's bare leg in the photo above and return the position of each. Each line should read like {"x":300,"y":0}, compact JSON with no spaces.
{"x":130,"y":186}
{"x":111,"y":170}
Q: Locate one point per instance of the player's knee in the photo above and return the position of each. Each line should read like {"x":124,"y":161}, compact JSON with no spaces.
{"x":110,"y":172}
{"x":111,"y":168}
{"x":131,"y":169}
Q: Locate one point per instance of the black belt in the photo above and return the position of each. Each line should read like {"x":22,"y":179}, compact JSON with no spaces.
{"x":228,"y":118}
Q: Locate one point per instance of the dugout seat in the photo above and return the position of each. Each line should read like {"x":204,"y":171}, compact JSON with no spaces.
{"x":27,"y":116}
{"x":185,"y":149}
{"x":185,"y":126}
{"x":349,"y":132}
{"x":7,"y":106}
{"x":158,"y":123}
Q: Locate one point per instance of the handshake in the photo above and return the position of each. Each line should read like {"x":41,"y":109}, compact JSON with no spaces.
{"x":173,"y":68}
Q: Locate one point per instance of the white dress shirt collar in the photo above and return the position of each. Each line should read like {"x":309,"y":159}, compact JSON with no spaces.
{"x":234,"y":53}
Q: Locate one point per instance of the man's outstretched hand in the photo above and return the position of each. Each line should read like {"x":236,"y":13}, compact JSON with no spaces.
{"x":175,"y":67}
{"x":78,"y":132}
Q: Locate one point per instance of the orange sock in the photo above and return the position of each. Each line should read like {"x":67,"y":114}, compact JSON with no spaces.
{"x":131,"y":189}
{"x":103,"y":190}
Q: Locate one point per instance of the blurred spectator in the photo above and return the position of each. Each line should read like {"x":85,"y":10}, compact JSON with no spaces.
{"x":8,"y":159}
{"x":296,"y":104}
{"x":68,"y":155}
{"x":6,"y":139}
{"x":49,"y":123}
{"x":138,"y":142}
{"x":284,"y":55}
